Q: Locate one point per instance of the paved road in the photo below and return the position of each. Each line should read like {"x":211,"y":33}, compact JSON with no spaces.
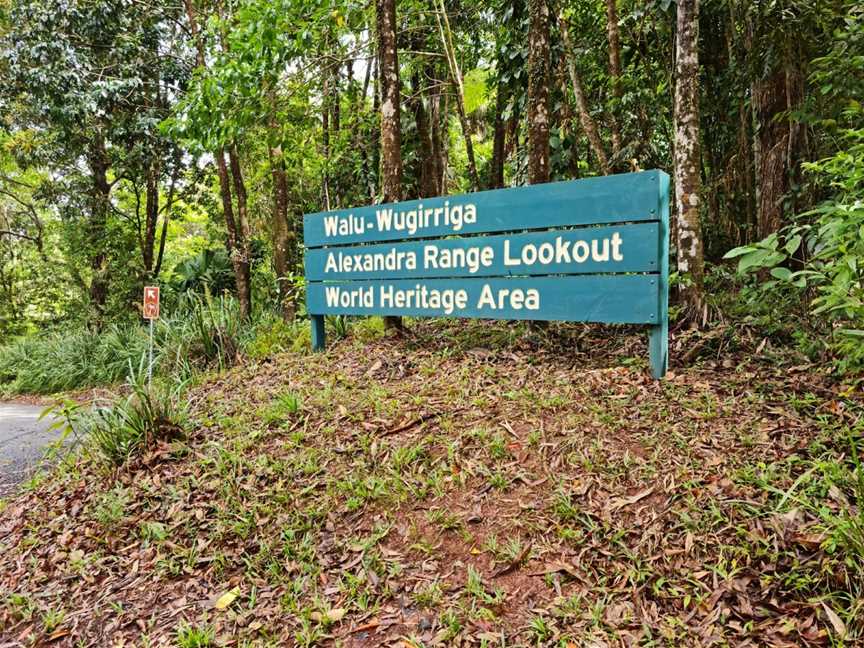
{"x":23,"y":438}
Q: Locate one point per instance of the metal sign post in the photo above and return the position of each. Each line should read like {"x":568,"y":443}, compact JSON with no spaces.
{"x":151,"y":312}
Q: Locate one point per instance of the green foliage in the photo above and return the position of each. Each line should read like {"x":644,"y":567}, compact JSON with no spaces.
{"x":209,"y":271}
{"x":150,"y":413}
{"x":827,"y":244}
{"x":62,"y":361}
{"x":476,"y":90}
{"x":189,"y":636}
{"x":202,"y":333}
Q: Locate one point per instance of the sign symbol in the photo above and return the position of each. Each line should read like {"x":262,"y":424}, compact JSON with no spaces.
{"x":151,"y":303}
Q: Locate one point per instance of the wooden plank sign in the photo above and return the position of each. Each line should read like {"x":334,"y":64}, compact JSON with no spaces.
{"x":593,"y":250}
{"x":151,"y":303}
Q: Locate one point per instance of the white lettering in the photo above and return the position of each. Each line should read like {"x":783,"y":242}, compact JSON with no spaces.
{"x":514,"y":299}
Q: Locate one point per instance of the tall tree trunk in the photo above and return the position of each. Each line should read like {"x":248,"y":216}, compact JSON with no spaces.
{"x":496,"y":175}
{"x":244,"y":288}
{"x":777,"y":143}
{"x":687,"y":176}
{"x":588,"y":124}
{"x":456,"y":77}
{"x":614,"y":38}
{"x":335,"y":108}
{"x":282,"y":240}
{"x":538,"y":92}
{"x":151,"y":213}
{"x":169,"y":203}
{"x":375,"y":178}
{"x":96,"y":225}
{"x":391,"y":137}
{"x":425,"y":162}
{"x":437,"y":166}
{"x":362,"y":136}
{"x":325,"y":136}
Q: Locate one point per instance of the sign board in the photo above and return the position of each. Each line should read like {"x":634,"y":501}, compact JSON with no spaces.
{"x":593,"y":250}
{"x":151,"y":302}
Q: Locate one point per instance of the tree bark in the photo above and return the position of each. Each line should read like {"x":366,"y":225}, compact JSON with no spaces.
{"x":777,"y":143}
{"x":325,"y":136}
{"x":687,"y":160}
{"x":496,"y":174}
{"x":101,"y":190}
{"x":244,"y":286}
{"x":585,"y":119}
{"x":167,"y":217}
{"x":538,"y":92}
{"x":151,"y":217}
{"x":391,"y":138}
{"x":614,"y":71}
{"x":425,"y":163}
{"x":438,"y":153}
{"x":282,"y":239}
{"x":456,"y":77}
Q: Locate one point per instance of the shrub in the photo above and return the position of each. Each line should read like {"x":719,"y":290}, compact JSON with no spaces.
{"x":202,"y":333}
{"x":150,"y":413}
{"x":52,"y":362}
{"x":821,"y":255}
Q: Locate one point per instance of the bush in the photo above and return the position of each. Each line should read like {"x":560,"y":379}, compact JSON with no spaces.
{"x":55,"y":362}
{"x":203,"y":333}
{"x":149,"y":413}
{"x":821,"y":255}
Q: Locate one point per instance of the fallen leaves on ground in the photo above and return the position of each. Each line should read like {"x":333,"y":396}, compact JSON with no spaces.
{"x":455,"y":486}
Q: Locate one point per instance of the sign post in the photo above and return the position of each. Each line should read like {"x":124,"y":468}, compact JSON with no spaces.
{"x":592,"y":250}
{"x":151,"y":312}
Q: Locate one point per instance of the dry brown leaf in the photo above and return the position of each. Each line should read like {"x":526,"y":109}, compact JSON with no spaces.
{"x":620,"y":502}
{"x":836,"y":621}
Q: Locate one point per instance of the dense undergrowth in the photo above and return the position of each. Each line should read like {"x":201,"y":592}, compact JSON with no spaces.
{"x":202,"y":334}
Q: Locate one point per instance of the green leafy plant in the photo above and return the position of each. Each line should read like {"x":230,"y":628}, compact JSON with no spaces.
{"x":189,"y":636}
{"x":148,"y":414}
{"x":827,"y":244}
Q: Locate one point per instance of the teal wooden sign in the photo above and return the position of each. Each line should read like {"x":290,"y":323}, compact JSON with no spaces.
{"x":594,"y":250}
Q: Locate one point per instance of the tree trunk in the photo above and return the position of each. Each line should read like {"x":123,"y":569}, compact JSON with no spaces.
{"x":496,"y":174}
{"x":244,"y":287}
{"x":167,"y":217}
{"x":235,"y":249}
{"x":777,"y":145}
{"x":391,"y":139}
{"x":588,"y":124}
{"x":101,"y":189}
{"x":151,"y":215}
{"x":438,"y":166}
{"x":538,"y":92}
{"x":282,"y":240}
{"x":426,"y":163}
{"x":614,"y":71}
{"x":687,"y":176}
{"x":325,"y":136}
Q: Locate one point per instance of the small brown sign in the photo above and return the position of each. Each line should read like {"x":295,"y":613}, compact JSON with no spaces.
{"x":151,"y":302}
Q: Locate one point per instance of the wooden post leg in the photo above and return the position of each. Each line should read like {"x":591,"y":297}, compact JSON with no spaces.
{"x":317,"y":322}
{"x":658,"y":349}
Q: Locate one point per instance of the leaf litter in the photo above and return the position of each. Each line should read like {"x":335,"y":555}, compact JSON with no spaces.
{"x":458,"y":486}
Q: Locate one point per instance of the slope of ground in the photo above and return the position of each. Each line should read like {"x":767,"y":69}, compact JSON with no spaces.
{"x":465,"y":485}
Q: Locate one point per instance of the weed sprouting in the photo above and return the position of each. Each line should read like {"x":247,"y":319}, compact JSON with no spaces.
{"x":111,"y":507}
{"x":189,"y":636}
